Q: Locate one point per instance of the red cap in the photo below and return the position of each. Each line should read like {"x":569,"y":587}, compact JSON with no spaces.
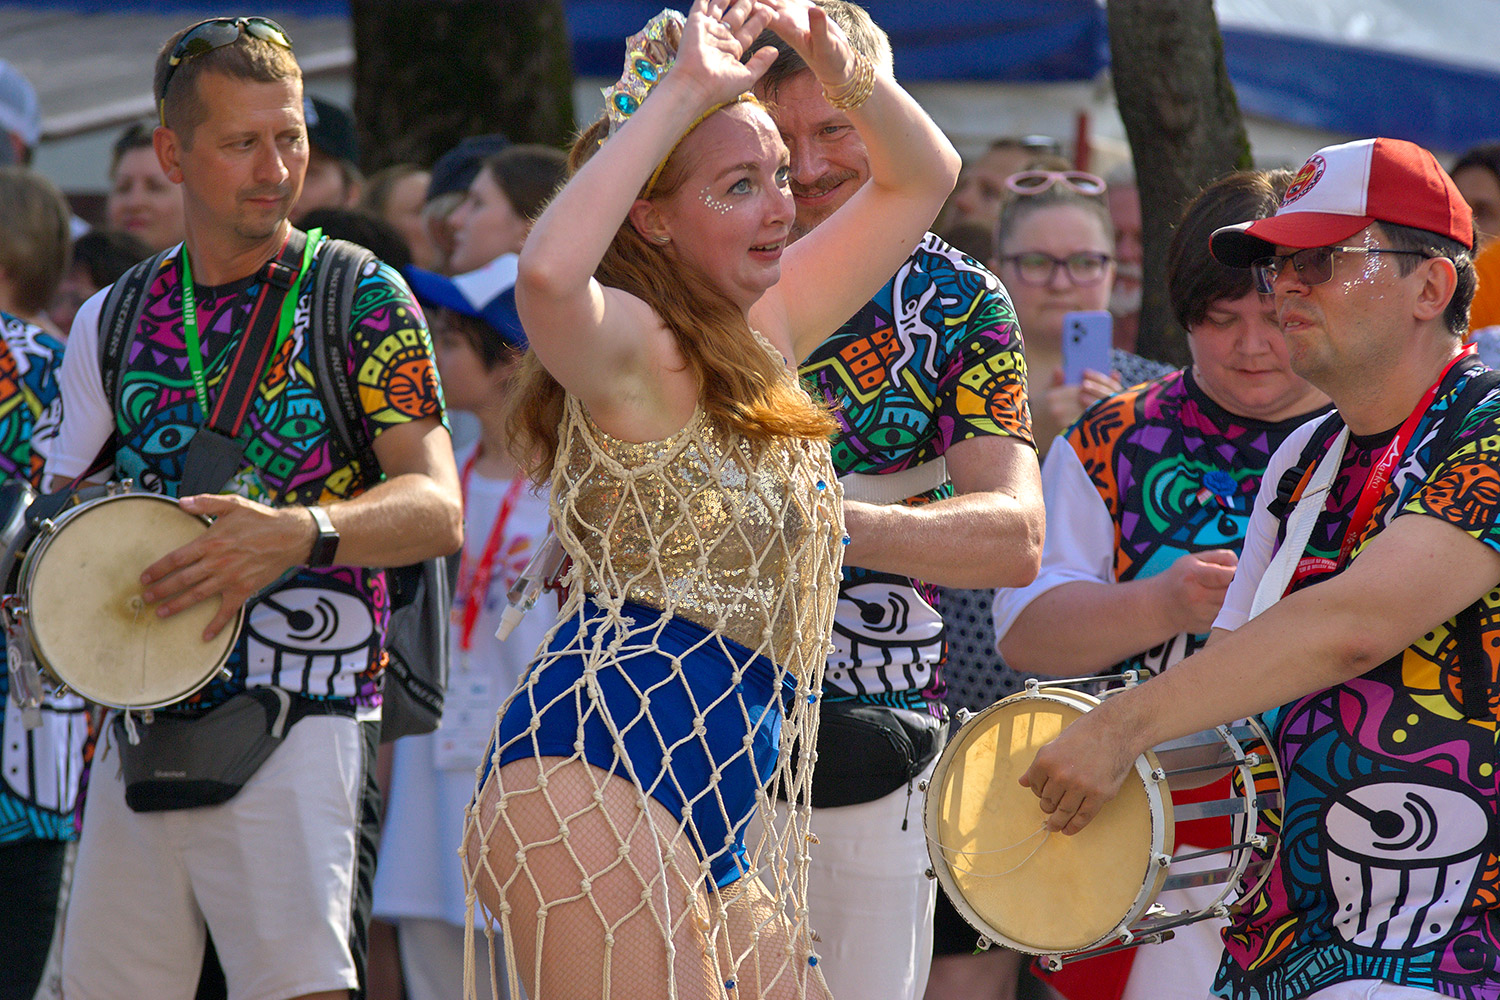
{"x":1341,"y":190}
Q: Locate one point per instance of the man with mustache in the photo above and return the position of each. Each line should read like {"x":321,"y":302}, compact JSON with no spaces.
{"x":302,"y":523}
{"x":941,"y":487}
{"x":1374,"y":550}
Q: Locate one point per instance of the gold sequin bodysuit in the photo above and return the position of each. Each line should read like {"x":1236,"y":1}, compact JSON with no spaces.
{"x":707,"y":526}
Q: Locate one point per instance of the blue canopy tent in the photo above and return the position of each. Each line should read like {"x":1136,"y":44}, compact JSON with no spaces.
{"x":1347,"y":67}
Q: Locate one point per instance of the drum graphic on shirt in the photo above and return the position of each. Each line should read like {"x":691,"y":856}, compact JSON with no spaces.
{"x":309,"y":631}
{"x":880,"y":645}
{"x":1402,"y":859}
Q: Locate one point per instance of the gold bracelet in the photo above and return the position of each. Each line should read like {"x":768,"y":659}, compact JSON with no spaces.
{"x":857,"y":89}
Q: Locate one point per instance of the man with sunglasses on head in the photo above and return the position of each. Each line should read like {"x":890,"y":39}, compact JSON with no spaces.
{"x":1374,"y":550}
{"x":941,"y":486}
{"x":301,"y":526}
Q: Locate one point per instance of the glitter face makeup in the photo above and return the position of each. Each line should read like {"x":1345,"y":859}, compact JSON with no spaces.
{"x":718,"y":206}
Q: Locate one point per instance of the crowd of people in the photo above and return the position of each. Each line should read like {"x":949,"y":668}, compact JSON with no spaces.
{"x":785,"y":384}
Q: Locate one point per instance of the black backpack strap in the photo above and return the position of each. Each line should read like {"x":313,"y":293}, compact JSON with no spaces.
{"x":1289,"y":486}
{"x":119,"y":319}
{"x":340,"y":265}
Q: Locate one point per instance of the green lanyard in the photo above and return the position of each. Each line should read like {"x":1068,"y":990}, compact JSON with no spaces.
{"x":190,"y":318}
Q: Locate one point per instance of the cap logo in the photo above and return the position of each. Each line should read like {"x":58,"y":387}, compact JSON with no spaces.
{"x":1310,"y":174}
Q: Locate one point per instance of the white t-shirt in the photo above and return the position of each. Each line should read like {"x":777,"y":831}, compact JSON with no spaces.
{"x":419,"y":874}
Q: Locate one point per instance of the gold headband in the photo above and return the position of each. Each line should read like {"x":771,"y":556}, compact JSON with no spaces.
{"x":656,"y":174}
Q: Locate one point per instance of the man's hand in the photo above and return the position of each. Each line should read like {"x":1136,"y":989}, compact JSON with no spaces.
{"x":1076,"y":774}
{"x":248,"y":546}
{"x":1194,"y":587}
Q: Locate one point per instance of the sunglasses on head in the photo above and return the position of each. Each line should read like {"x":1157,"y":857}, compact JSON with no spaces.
{"x":1312,"y":266}
{"x":215,"y":33}
{"x":1037,"y":181}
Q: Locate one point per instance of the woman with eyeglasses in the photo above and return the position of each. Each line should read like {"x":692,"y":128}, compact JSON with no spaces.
{"x":1054,"y":250}
{"x":1148,"y":497}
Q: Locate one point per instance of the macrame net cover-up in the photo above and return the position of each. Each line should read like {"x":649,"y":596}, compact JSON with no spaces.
{"x":701,"y":598}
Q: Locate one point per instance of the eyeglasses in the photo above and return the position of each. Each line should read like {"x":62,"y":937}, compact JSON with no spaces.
{"x":1313,"y":266}
{"x":1037,"y":268}
{"x":1037,"y":181}
{"x":216,"y":33}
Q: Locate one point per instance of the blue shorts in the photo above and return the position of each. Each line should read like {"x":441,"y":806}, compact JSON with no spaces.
{"x":674,"y":671}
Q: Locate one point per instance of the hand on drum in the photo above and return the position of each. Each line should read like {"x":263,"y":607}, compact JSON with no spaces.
{"x":1077,"y":773}
{"x":247,"y":548}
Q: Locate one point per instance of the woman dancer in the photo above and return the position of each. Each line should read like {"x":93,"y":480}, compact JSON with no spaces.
{"x":692,"y":486}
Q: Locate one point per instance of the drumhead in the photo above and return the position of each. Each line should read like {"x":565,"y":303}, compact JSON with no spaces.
{"x":1023,"y":888}
{"x":89,"y":626}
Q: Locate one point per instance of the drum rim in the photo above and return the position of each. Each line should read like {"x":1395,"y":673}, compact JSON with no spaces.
{"x":27,"y":568}
{"x":1159,"y":810}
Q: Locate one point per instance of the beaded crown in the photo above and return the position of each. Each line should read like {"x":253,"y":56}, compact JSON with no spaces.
{"x":649,"y":54}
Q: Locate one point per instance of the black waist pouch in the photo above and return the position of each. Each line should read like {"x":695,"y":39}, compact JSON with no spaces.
{"x":184,"y":763}
{"x":866,"y":752}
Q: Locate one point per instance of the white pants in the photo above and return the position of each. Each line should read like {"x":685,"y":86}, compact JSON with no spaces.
{"x":271,"y":870}
{"x":870,"y":901}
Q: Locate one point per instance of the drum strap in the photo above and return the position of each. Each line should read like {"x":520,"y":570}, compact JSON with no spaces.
{"x":215,"y":453}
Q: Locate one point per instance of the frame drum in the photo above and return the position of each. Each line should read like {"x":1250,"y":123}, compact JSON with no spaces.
{"x":1049,"y":894}
{"x":89,"y":630}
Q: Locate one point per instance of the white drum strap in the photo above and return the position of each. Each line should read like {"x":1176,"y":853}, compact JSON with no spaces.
{"x":1299,"y":528}
{"x":894,"y":487}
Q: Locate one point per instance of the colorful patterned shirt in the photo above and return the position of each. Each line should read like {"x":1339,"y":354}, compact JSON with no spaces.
{"x":39,"y":768}
{"x":321,"y":631}
{"x":1150,"y":475}
{"x":1389,"y":866}
{"x":933,"y":359}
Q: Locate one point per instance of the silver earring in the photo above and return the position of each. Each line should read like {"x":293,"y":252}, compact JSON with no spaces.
{"x":662,"y":239}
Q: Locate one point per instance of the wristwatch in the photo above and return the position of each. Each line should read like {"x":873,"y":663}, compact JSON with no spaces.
{"x":327,"y":542}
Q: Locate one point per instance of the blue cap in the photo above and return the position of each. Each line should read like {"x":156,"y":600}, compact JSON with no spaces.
{"x":455,"y":169}
{"x":330,"y":129}
{"x":488,"y":294}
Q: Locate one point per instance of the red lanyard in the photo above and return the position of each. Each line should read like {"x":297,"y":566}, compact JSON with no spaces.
{"x":473,"y":586}
{"x":1380,"y":473}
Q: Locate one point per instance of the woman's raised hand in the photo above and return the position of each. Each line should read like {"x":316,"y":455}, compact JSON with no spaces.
{"x":714,"y":40}
{"x":820,"y":42}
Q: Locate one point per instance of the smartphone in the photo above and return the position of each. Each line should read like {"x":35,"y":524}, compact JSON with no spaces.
{"x":1088,"y":339}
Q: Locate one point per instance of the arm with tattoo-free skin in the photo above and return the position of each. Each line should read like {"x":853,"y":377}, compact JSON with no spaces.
{"x":988,"y":535}
{"x":414,"y":515}
{"x":1416,"y":574}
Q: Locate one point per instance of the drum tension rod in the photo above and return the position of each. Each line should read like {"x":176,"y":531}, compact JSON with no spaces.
{"x":1249,"y":760}
{"x":1257,"y":842}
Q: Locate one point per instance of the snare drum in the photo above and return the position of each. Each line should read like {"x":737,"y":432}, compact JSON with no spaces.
{"x":77,"y":606}
{"x":1049,"y":894}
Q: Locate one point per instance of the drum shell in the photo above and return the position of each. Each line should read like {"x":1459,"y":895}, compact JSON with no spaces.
{"x":172,"y":660}
{"x":1001,"y":906}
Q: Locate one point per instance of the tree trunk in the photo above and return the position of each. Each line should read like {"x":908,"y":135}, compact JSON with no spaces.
{"x":1183,"y":122}
{"x":429,"y":74}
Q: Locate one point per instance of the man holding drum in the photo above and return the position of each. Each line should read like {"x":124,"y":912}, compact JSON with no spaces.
{"x":297,"y":537}
{"x":1374,"y":674}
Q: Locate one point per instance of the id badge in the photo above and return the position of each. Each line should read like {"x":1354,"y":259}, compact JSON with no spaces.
{"x":469,"y":708}
{"x":212,"y":460}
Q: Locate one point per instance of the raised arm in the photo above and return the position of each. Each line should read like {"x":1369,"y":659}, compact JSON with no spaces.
{"x":596,"y":341}
{"x":829,"y":273}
